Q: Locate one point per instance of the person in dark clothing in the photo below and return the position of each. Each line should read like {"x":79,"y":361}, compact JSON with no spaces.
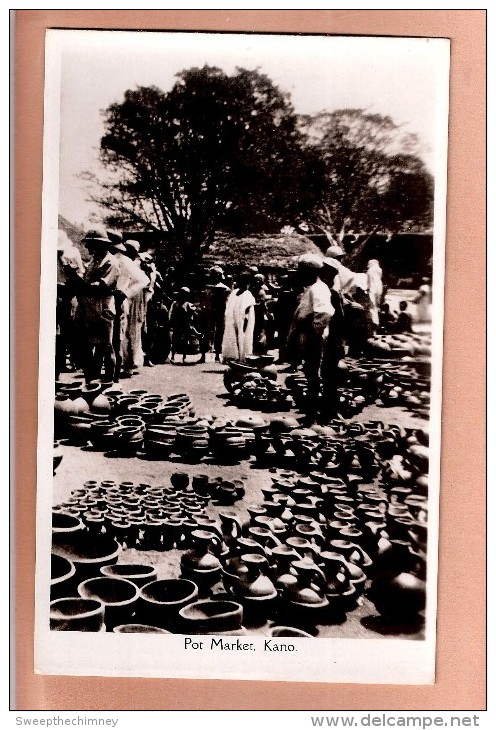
{"x":284,"y":309}
{"x":359,"y":325}
{"x":260,"y":291}
{"x":333,"y":351}
{"x":157,"y":319}
{"x":95,"y":293}
{"x":213,"y":309}
{"x":387,"y":320}
{"x":184,"y":335}
{"x":404,"y":321}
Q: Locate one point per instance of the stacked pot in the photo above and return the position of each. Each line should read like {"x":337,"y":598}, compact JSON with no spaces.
{"x":253,"y":384}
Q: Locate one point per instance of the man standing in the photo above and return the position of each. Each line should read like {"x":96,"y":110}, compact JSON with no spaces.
{"x":333,"y":350}
{"x":97,"y":306}
{"x":67,"y":256}
{"x":130,"y":282}
{"x":310,"y":325}
{"x":133,"y":351}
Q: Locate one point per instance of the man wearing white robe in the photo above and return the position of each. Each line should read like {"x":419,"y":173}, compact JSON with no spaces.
{"x":237,"y":342}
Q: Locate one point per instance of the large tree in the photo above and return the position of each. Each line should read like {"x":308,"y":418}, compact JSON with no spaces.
{"x":373,"y":176}
{"x":215,"y":151}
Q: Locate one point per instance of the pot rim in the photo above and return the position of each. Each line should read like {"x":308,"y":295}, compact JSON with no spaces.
{"x":86,"y":614}
{"x":156,"y":602}
{"x":113,"y":604}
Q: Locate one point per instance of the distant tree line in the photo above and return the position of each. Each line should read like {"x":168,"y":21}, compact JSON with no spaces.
{"x":228,"y":152}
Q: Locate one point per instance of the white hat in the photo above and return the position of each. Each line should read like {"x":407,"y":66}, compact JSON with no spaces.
{"x":310,"y":261}
{"x":334,"y":251}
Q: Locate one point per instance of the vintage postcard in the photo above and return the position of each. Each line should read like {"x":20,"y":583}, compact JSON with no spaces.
{"x":241,"y":355}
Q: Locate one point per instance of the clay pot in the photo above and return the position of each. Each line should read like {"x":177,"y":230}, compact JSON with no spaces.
{"x":161,"y":601}
{"x":76,"y":614}
{"x":65,"y":527}
{"x":199,"y":564}
{"x":90,"y":392}
{"x":72,"y":390}
{"x":231,"y":525}
{"x":118,"y":596}
{"x":88,"y":556}
{"x":352,"y":552}
{"x":340,"y":589}
{"x":398,"y":598}
{"x":103,"y":435}
{"x":306,"y":599}
{"x":302,"y":546}
{"x":61,"y":583}
{"x":211,"y":617}
{"x":138,"y":629}
{"x":255,"y":590}
{"x":102,"y":404}
{"x":129,"y":439}
{"x":140,"y":575}
{"x":283,"y":632}
{"x":246,"y":545}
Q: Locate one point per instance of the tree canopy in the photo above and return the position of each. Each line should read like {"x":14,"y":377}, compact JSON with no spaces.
{"x":216,"y":151}
{"x":227,"y":152}
{"x":373,"y":177}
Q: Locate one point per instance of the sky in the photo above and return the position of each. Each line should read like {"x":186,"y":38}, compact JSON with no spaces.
{"x":87,"y":71}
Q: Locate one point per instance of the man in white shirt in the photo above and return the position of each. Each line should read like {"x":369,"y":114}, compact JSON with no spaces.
{"x":310,"y":325}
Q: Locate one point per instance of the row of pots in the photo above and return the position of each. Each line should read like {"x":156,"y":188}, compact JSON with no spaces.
{"x":119,"y":605}
{"x":142,"y":516}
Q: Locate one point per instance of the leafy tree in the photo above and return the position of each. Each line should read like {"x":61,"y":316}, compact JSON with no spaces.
{"x":217,"y":151}
{"x":373,"y":177}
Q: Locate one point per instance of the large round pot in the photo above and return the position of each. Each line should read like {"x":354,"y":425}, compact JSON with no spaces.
{"x":211,"y":617}
{"x":398,"y":598}
{"x":61,"y":583}
{"x":76,"y":614}
{"x":161,"y":601}
{"x":65,"y":527}
{"x":117,"y":595}
{"x":88,"y":555}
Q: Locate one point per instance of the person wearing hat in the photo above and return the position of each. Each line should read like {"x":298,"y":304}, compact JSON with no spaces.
{"x":213,"y":300}
{"x":333,"y":350}
{"x":68,"y":255}
{"x":310,"y":325}
{"x":132,"y":350}
{"x":97,"y":306}
{"x":131,"y":281}
{"x":344,"y":282}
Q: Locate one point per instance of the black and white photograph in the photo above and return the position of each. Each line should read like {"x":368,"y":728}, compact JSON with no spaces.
{"x":241,"y":355}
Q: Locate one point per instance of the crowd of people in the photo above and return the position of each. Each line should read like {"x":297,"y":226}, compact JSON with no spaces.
{"x":117,"y":313}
